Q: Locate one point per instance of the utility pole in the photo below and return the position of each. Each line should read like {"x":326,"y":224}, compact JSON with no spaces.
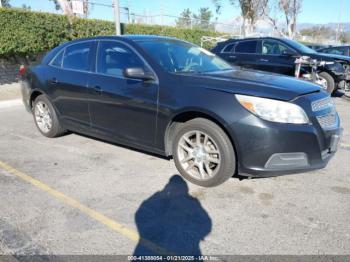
{"x":128,"y":10}
{"x":161,"y":13}
{"x":128,"y":7}
{"x":339,"y":20}
{"x":116,"y":16}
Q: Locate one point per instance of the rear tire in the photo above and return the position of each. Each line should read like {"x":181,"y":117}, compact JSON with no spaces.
{"x":203,"y":153}
{"x":45,"y":118}
{"x":330,"y":82}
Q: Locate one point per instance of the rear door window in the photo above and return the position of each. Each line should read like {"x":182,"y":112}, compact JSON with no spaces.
{"x":77,"y":56}
{"x":246,"y":47}
{"x":229,"y":48}
{"x":57,"y":61}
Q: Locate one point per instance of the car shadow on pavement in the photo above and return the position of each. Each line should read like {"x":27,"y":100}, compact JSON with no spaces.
{"x":173,"y":220}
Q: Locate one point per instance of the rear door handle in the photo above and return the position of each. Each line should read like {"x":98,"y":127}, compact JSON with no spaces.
{"x":264,"y":60}
{"x":97,"y":89}
{"x":233,"y":56}
{"x":54,"y":81}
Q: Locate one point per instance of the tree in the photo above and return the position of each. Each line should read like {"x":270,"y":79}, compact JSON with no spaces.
{"x":26,"y":7}
{"x":5,"y":3}
{"x":185,"y":19}
{"x":66,"y":7}
{"x":324,"y":34}
{"x":202,"y":20}
{"x":289,"y":9}
{"x":250,"y":12}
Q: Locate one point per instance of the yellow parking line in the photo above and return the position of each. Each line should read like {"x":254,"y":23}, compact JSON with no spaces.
{"x":110,"y":223}
{"x":345,"y":145}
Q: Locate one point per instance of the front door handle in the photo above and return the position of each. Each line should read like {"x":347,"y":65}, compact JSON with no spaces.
{"x":264,"y":60}
{"x":232,"y":56}
{"x":97,"y":89}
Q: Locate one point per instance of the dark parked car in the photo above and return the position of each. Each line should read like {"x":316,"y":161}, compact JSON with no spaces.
{"x":317,"y":47}
{"x":278,"y":55}
{"x":336,"y":50}
{"x":173,"y":98}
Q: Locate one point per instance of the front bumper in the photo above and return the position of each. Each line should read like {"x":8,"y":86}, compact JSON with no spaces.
{"x":267,"y":149}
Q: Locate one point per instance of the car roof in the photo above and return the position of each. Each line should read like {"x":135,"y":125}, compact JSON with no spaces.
{"x":149,"y":37}
{"x":133,"y":38}
{"x":338,"y":46}
{"x":254,"y":38}
{"x":129,"y":37}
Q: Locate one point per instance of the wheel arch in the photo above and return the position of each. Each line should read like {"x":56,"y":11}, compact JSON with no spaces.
{"x":33,"y":96}
{"x":335,"y":74}
{"x":186,"y":115}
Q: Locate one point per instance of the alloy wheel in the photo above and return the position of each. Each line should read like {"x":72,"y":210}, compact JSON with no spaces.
{"x":43,"y":117}
{"x":199,"y":155}
{"x":322,"y":82}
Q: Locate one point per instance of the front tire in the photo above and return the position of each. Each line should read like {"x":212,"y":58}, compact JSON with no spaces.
{"x":203,"y":153}
{"x":330,"y":83}
{"x":45,"y":118}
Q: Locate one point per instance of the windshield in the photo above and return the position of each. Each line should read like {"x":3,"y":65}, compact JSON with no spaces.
{"x":300,"y":47}
{"x":181,"y":57}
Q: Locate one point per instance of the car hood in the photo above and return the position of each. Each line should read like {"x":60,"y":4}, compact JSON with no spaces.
{"x":330,"y":57}
{"x":254,"y":83}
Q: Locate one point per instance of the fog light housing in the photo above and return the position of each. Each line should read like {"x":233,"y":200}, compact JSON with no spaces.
{"x":286,"y":161}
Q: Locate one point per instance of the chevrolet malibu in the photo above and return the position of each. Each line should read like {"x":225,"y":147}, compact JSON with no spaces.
{"x":175,"y":99}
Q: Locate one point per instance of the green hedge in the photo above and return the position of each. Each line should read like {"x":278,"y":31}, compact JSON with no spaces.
{"x":25,"y":33}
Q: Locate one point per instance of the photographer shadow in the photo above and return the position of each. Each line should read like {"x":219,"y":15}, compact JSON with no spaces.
{"x":173,"y":220}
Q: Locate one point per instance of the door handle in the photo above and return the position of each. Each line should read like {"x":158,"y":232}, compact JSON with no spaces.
{"x":54,"y":81}
{"x":264,"y":60}
{"x":233,"y":56}
{"x":97,"y":89}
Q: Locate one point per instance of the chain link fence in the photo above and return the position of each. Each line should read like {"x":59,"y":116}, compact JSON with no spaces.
{"x":131,"y":14}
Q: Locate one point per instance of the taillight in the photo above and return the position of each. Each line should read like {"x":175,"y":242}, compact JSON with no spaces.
{"x":22,"y":70}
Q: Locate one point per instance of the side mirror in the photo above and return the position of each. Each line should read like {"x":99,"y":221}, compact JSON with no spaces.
{"x":138,"y":73}
{"x":288,"y":53}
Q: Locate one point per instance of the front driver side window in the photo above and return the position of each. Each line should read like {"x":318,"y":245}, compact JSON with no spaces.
{"x":114,"y":57}
{"x":271,"y":47}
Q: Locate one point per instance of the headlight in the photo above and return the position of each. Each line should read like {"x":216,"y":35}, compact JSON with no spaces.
{"x":274,"y":110}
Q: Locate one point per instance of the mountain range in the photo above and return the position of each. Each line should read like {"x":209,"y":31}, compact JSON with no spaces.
{"x":344,"y":26}
{"x":263,"y":26}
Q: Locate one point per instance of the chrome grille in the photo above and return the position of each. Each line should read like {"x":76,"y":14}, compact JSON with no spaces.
{"x":328,"y":121}
{"x":322,"y":104}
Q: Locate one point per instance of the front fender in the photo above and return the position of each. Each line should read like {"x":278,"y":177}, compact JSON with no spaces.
{"x":336,"y":70}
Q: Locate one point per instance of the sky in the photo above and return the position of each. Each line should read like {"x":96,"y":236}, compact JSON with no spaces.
{"x":313,"y":11}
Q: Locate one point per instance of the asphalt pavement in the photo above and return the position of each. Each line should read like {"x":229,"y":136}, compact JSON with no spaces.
{"x":76,"y":195}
